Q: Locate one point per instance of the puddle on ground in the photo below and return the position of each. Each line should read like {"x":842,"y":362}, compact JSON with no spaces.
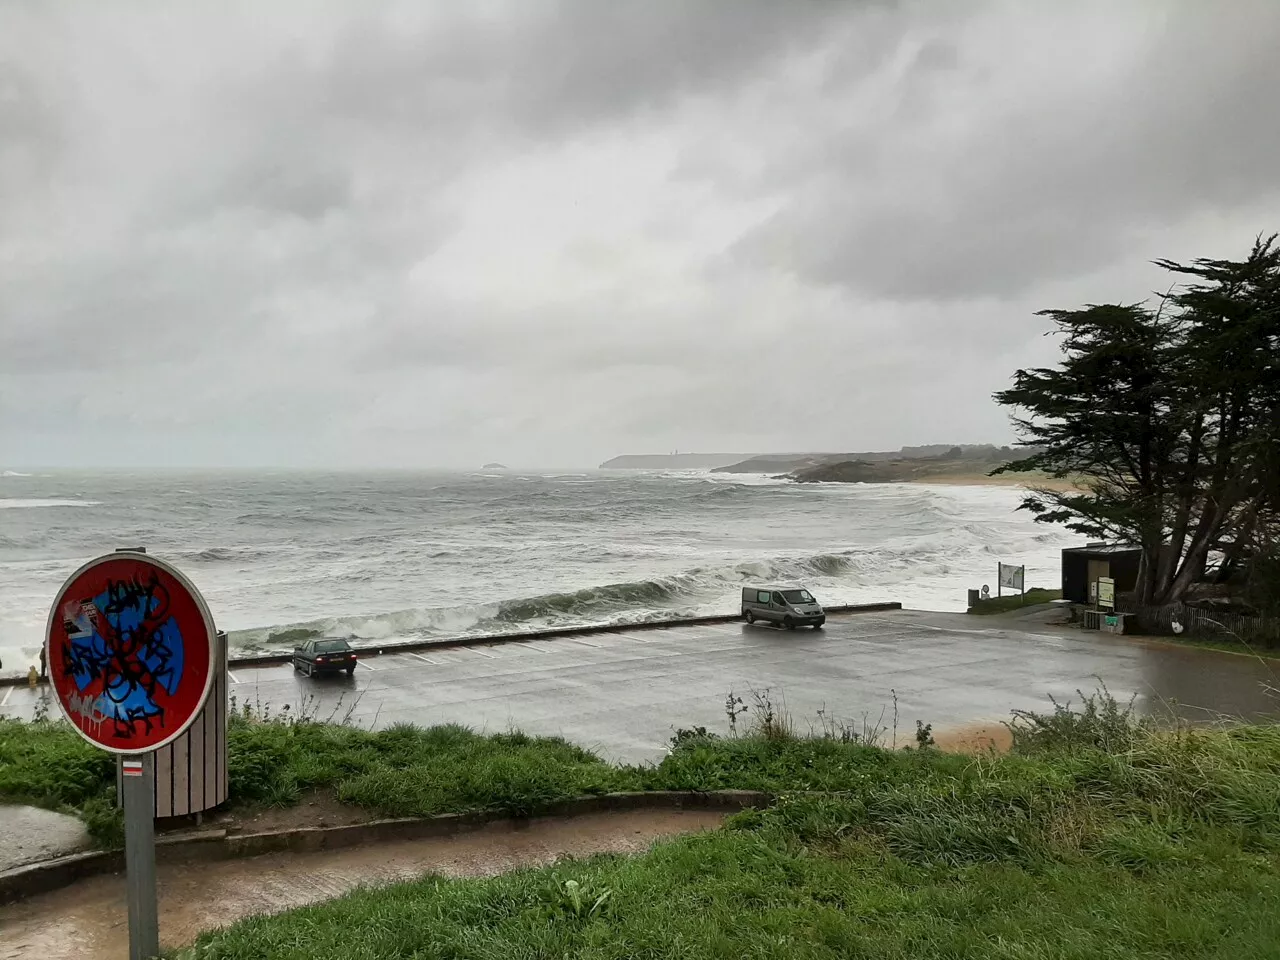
{"x":88,"y":920}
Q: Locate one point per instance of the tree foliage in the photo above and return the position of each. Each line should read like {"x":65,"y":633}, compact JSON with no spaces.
{"x":1168,"y":416}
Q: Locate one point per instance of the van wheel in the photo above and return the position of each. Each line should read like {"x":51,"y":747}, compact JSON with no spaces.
{"x":789,"y":623}
{"x":751,"y":617}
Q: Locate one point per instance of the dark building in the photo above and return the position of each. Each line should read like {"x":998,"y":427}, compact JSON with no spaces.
{"x":1082,"y":566}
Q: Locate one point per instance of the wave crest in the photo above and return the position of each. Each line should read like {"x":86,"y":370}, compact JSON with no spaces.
{"x":696,"y":591}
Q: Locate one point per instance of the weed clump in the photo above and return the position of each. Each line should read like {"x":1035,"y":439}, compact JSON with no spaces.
{"x":1100,"y":723}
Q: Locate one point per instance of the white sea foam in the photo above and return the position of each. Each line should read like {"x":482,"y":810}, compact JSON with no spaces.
{"x":392,"y":558}
{"x":18,"y":503}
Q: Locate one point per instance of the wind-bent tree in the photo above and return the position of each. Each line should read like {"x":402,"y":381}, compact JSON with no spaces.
{"x":1168,"y":418}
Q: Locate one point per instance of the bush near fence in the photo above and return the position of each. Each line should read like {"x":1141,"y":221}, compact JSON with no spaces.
{"x":1206,"y":622}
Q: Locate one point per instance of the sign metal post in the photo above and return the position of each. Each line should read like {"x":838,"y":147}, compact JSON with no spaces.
{"x":138,"y":773}
{"x":130,"y":646}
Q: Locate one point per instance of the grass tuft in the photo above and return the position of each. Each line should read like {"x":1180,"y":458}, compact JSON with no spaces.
{"x":1013,"y":602}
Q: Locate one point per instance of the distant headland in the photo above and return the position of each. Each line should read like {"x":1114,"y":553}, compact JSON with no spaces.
{"x":673,"y":461}
{"x":966,"y":463}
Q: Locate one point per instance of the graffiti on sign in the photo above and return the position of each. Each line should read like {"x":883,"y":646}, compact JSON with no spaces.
{"x":130,"y":652}
{"x":127,"y":646}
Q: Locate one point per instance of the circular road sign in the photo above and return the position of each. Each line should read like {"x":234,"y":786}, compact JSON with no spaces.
{"x":130,"y":645}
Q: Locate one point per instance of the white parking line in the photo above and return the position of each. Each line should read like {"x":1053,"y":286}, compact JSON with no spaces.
{"x":232,"y":677}
{"x":491,"y":656}
{"x":585,"y":643}
{"x":534,"y":646}
{"x":7,"y":694}
{"x":427,"y":659}
{"x":365,"y":664}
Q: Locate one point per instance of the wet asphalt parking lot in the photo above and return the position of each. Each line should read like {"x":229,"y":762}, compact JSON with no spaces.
{"x":623,"y":693}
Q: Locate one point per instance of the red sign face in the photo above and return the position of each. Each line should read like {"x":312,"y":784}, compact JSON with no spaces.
{"x":130,"y":645}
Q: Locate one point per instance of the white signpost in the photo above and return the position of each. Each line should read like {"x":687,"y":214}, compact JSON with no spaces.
{"x":1012,"y":577}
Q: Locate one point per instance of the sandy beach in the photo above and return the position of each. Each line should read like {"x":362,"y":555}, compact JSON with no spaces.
{"x":1003,"y":480}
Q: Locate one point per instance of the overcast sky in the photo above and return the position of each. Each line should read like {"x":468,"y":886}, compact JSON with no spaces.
{"x":404,"y":234}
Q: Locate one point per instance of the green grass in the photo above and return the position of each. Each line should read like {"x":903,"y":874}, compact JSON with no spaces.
{"x":398,"y":772}
{"x":1007,"y":604}
{"x":1099,"y":838}
{"x":411,"y":771}
{"x":762,"y":894}
{"x":49,"y":765}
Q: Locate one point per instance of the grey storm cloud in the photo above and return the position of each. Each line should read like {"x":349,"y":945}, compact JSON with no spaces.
{"x":416,"y":234}
{"x":1053,"y":179}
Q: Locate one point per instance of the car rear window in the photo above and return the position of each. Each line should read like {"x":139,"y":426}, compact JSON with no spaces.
{"x":332,"y":646}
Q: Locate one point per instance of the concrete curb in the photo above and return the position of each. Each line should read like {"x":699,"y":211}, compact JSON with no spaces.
{"x":274,"y":659}
{"x":36,"y":878}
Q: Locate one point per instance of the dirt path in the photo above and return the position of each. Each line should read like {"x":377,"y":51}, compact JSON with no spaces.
{"x":87,"y":921}
{"x":992,"y":737}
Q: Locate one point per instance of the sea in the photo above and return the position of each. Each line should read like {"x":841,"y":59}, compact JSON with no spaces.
{"x":396,"y":557}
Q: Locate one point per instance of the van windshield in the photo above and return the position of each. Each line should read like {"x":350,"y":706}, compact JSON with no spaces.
{"x":797,"y":596}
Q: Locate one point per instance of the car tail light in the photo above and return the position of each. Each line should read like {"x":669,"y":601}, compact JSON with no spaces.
{"x":353,"y":656}
{"x":321,"y":659}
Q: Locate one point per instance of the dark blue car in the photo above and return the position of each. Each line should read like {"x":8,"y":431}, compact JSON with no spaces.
{"x":324,"y":656}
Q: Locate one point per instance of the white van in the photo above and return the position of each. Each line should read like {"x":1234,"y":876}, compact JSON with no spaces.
{"x":789,"y":607}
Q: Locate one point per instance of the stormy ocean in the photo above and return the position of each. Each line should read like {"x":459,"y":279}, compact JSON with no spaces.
{"x":398,"y":556}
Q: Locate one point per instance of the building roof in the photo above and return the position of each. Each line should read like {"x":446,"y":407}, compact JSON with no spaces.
{"x":1105,"y":548}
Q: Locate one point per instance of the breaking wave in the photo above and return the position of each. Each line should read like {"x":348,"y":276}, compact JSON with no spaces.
{"x":694,"y":592}
{"x":224,"y":555}
{"x":384,"y":559}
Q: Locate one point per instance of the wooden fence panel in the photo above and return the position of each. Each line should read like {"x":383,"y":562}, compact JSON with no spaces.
{"x":1201,"y":622}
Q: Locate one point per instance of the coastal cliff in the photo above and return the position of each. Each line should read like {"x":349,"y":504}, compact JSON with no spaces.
{"x":933,"y":463}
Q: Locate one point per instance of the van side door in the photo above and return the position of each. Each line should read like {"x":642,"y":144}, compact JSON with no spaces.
{"x":779,"y":606}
